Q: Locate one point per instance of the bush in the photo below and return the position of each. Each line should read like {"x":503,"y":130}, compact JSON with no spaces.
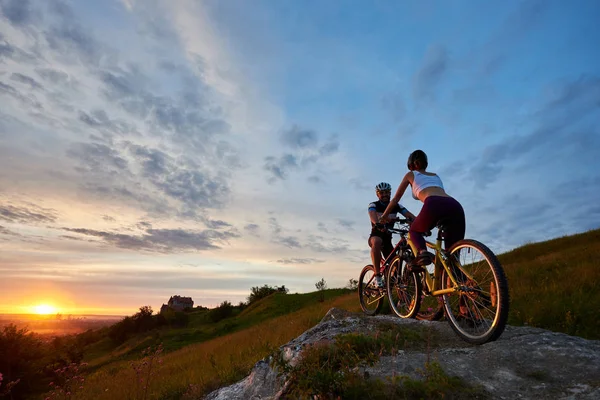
{"x":21,"y":360}
{"x":140,"y":322}
{"x":223,"y":311}
{"x":257,"y":293}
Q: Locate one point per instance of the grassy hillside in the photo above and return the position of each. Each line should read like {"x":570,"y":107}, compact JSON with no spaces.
{"x":551,"y":283}
{"x":195,"y":369}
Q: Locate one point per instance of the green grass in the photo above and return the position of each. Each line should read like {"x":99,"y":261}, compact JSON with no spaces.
{"x":553,"y":284}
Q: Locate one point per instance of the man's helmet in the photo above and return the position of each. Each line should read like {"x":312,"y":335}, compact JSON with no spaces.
{"x":383,"y":186}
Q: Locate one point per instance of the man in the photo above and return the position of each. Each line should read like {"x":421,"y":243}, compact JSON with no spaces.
{"x":380,"y":239}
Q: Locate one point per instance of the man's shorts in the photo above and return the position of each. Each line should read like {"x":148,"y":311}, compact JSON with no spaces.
{"x":386,"y":238}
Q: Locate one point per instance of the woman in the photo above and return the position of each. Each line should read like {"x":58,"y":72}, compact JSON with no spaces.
{"x":437,"y":206}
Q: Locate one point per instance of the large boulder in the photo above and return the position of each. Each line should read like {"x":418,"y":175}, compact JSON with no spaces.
{"x":524,"y":363}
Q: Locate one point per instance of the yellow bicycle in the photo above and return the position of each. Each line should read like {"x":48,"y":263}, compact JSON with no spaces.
{"x":466,"y":283}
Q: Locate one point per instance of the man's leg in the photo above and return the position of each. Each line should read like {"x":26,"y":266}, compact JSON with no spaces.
{"x":375,"y":242}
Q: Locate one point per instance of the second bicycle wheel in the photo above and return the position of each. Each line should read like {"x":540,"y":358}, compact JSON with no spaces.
{"x":403,"y":289}
{"x":478,"y":310}
{"x":369,"y":295}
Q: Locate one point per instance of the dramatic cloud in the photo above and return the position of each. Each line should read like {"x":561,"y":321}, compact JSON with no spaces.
{"x":161,"y":240}
{"x":26,"y":215}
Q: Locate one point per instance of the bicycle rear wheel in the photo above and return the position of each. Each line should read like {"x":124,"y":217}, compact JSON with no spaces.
{"x":403,"y":288}
{"x":369,"y":295}
{"x":478,"y":311}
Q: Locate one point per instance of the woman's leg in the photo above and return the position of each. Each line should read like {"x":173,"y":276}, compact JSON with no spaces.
{"x":424,"y":222}
{"x":455,"y":227}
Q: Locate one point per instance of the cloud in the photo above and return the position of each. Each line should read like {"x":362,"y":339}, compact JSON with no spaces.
{"x":27,"y":80}
{"x":299,"y":138}
{"x":360,"y":185}
{"x":53,"y":75}
{"x":98,"y":119}
{"x":275,"y":226}
{"x":161,"y":240}
{"x":491,"y":56}
{"x":299,"y":261}
{"x":321,"y":244}
{"x":345,"y":223}
{"x":432,"y":69}
{"x":18,"y":12}
{"x":557,"y":125}
{"x":27,"y":101}
{"x":288,"y":241}
{"x":252,"y":228}
{"x":315,"y":179}
{"x":96,"y":158}
{"x":6,"y":231}
{"x":27,"y":215}
{"x":305,"y":152}
{"x":280,"y":167}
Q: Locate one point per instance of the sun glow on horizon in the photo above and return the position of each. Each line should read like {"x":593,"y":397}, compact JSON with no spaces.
{"x":45,"y":309}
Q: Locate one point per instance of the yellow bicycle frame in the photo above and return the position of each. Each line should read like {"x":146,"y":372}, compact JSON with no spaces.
{"x":440,"y":263}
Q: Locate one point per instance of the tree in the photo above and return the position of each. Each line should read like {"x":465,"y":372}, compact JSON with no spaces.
{"x":321,"y":287}
{"x":352,"y":284}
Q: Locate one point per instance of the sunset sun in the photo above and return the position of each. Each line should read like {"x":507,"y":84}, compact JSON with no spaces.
{"x":44,"y":309}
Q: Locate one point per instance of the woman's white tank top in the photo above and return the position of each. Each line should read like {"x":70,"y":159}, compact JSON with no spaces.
{"x":422,"y":181}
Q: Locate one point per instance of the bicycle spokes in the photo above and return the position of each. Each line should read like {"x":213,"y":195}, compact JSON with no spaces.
{"x":478,"y":309}
{"x":403,"y":288}
{"x":370,"y":296}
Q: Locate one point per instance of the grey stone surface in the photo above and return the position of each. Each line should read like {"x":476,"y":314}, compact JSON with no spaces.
{"x":524,"y":363}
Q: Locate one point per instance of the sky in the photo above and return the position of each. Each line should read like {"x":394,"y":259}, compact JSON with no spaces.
{"x":150,"y":148}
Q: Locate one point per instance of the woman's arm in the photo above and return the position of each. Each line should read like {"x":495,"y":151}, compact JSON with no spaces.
{"x":394,"y":200}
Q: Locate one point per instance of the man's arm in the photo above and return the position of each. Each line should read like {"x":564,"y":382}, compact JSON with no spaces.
{"x":394,"y":200}
{"x":373,"y":216}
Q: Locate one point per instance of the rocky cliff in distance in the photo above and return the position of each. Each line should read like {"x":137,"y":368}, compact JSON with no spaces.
{"x":524,"y":363}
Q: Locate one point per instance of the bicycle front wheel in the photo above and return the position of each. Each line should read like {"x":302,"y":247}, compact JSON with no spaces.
{"x":478,"y":310}
{"x":369,"y":295}
{"x":403,"y":288}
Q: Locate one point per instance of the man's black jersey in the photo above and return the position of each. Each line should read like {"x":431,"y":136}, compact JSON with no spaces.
{"x":380,"y":207}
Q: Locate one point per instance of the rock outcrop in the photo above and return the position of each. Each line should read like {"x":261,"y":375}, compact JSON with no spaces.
{"x":524,"y":363}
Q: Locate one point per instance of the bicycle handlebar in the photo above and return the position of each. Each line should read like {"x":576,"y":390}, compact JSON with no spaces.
{"x":402,"y":221}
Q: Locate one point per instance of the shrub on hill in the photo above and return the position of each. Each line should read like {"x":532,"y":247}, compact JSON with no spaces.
{"x":221,"y":312}
{"x":257,"y":293}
